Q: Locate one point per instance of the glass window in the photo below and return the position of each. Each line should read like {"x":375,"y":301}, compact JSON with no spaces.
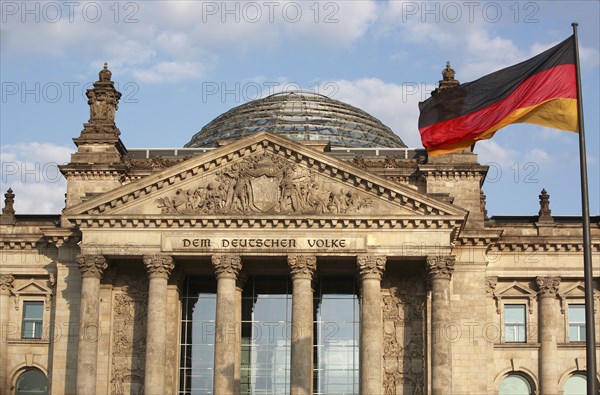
{"x":33,"y":316}
{"x":336,"y":337}
{"x":514,"y":323}
{"x":576,"y":323}
{"x":514,"y":384}
{"x":266,"y":326}
{"x":575,"y":385}
{"x":32,"y":382}
{"x":197,"y":336}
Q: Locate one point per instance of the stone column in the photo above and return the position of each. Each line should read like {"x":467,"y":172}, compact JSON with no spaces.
{"x":227,"y":268}
{"x":548,"y":327}
{"x":91,"y":267}
{"x":6,"y":286}
{"x":239,"y":288}
{"x":371,"y":270}
{"x":439,"y":270}
{"x":159,"y":269}
{"x":302,"y":269}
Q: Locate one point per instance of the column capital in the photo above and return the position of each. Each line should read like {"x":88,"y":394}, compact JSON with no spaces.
{"x":440,"y":267}
{"x":159,"y":265}
{"x":227,"y":265}
{"x":91,"y":265}
{"x":6,"y":283}
{"x":371,"y":266}
{"x":302,"y":266}
{"x":547,"y":286}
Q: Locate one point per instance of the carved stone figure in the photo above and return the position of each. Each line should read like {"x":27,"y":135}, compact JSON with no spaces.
{"x":264,"y":183}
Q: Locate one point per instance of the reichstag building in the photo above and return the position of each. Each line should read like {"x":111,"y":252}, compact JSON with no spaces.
{"x":294,"y":246}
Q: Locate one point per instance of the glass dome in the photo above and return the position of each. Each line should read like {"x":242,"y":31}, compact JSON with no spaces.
{"x":299,"y":116}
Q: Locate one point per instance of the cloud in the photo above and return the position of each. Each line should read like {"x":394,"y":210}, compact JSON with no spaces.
{"x":31,"y":170}
{"x":490,"y":152}
{"x":170,"y":72}
{"x":396,"y":105}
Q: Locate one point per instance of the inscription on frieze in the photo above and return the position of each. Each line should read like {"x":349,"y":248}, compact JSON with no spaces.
{"x":265,"y":183}
{"x":264,"y":243}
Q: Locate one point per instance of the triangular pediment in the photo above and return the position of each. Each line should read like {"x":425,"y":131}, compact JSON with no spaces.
{"x":32,"y":288}
{"x":267,"y":176}
{"x":515,"y":289}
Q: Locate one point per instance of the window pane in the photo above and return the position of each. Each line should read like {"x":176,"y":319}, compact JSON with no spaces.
{"x":32,"y":382}
{"x":514,"y":323}
{"x":514,"y":385}
{"x":577,"y":313}
{"x":575,"y":385}
{"x":33,"y":310}
{"x":33,"y":313}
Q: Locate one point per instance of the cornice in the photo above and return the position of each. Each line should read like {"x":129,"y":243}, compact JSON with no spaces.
{"x":185,"y":221}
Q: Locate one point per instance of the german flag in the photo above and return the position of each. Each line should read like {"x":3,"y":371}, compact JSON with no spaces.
{"x":541,"y":90}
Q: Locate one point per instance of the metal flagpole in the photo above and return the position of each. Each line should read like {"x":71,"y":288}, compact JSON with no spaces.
{"x":590,"y":338}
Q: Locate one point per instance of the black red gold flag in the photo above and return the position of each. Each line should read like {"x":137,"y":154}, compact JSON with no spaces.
{"x":541,"y":90}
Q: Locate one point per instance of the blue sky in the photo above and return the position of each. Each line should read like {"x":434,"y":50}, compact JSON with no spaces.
{"x":179,"y":64}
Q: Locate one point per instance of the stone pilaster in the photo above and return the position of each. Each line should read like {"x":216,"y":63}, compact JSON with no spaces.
{"x":227,"y":268}
{"x":370,"y":269}
{"x":302,"y":269}
{"x":159,"y":269}
{"x":91,"y":267}
{"x":548,"y":326}
{"x":439,"y":270}
{"x":6,"y":286}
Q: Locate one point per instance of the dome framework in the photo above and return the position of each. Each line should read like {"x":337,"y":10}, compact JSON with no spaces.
{"x":299,"y":116}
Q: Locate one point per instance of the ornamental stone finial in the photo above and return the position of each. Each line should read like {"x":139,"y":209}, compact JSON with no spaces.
{"x":545,"y":212}
{"x":6,"y":282}
{"x":103,"y":100}
{"x":227,"y":265}
{"x":548,"y":286}
{"x":8,"y":211}
{"x":440,"y":266}
{"x":371,"y":266}
{"x":302,"y":266}
{"x":447,"y":80}
{"x":91,"y":265}
{"x":159,"y":265}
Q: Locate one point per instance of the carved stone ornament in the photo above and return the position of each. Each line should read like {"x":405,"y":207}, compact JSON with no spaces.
{"x":490,"y":284}
{"x":159,"y":265}
{"x":545,"y":214}
{"x":6,"y":282}
{"x":440,"y":266}
{"x":302,"y":266}
{"x":264,"y":183}
{"x":371,"y":266}
{"x":91,"y":265}
{"x":548,"y":286}
{"x":227,"y":266}
{"x":404,"y":361}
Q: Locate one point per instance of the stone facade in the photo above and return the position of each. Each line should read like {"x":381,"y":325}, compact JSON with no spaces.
{"x":435,"y":277}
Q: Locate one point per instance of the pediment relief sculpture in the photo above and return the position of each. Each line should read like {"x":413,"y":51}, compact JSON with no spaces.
{"x":267,"y":184}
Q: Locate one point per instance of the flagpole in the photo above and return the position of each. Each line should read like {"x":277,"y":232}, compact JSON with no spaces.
{"x":590,"y":338}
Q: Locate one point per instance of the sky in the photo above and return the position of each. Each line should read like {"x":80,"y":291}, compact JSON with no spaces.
{"x":180,"y":64}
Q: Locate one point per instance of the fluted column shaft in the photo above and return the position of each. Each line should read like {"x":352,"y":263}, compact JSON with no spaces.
{"x":371,"y":270}
{"x":302,"y":269}
{"x":92,"y":267}
{"x":159,"y":268}
{"x":439,"y":270}
{"x":6,"y":286}
{"x":548,"y":313}
{"x":227,"y":268}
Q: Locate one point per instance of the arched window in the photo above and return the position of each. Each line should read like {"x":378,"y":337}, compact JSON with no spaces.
{"x":575,"y":385}
{"x":32,"y":382}
{"x":515,"y":384}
